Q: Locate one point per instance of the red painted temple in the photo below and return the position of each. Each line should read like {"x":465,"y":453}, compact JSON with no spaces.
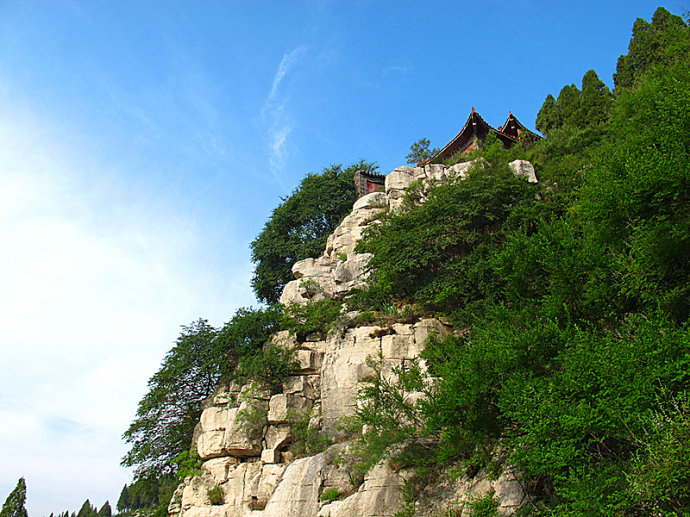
{"x":475,"y":130}
{"x":470,"y":137}
{"x":368,"y":182}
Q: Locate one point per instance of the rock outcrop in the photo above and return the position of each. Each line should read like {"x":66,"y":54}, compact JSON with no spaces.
{"x":245,"y":432}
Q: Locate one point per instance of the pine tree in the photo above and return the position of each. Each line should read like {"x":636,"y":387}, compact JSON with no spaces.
{"x":597,"y":101}
{"x":106,"y":510}
{"x":549,"y":116}
{"x":569,"y":103}
{"x":123,"y":502}
{"x":15,"y":503}
{"x":87,"y":510}
{"x":664,"y":40}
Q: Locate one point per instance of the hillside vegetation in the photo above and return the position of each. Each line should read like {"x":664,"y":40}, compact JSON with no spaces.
{"x":573,"y":297}
{"x":570,"y":300}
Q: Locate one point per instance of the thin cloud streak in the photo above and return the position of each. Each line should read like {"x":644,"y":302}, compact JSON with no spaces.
{"x":273,"y":114}
{"x":284,"y":67}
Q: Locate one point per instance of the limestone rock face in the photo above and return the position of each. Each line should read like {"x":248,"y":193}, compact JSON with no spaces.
{"x":379,"y":495}
{"x":523,"y":169}
{"x":245,"y":432}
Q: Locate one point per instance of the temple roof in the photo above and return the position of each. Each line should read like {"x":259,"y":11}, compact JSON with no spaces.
{"x":476,"y":128}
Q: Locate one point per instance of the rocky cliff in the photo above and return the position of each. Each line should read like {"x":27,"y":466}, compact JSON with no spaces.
{"x":245,"y":432}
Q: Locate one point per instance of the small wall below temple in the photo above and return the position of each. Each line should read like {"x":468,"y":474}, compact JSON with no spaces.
{"x":368,"y":182}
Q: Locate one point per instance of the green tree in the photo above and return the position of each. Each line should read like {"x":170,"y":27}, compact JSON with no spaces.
{"x":569,"y":102}
{"x":106,"y":510}
{"x":574,"y":108}
{"x":636,"y":194}
{"x":664,"y":40}
{"x":549,"y":116}
{"x":420,"y":152}
{"x":299,"y":226}
{"x":14,"y":505}
{"x":597,"y":100}
{"x":167,"y":414}
{"x":124,"y":503}
{"x":87,"y":510}
{"x":438,"y":254}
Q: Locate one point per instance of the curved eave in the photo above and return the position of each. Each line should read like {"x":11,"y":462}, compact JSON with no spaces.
{"x":466,"y":136}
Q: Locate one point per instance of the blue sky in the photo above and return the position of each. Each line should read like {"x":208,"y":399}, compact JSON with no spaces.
{"x":144,"y":144}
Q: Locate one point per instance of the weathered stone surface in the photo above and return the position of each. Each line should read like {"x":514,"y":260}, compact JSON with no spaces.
{"x":219,"y":468}
{"x":349,"y":232}
{"x":270,"y":456}
{"x":422,"y":330}
{"x":352,"y":272}
{"x":395,"y":346}
{"x":343,"y":368}
{"x":435,"y":171}
{"x":277,"y":436}
{"x":379,"y":495}
{"x":249,"y":457}
{"x":459,"y":170}
{"x":285,"y":339}
{"x":305,"y":385}
{"x":373,"y":200}
{"x":309,"y":361}
{"x":297,"y":495}
{"x":222,"y":433}
{"x":523,"y":169}
{"x":278,"y":409}
{"x":399,"y":179}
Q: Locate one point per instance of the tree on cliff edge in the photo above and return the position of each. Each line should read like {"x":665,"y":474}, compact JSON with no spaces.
{"x":299,"y":226}
{"x":14,"y":504}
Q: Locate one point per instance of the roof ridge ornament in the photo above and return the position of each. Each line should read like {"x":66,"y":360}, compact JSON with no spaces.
{"x":475,"y":130}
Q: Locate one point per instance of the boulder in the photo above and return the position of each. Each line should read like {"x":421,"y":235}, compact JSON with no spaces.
{"x":523,"y":169}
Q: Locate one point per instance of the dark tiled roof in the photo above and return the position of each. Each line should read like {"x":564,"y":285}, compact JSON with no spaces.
{"x":477,"y":128}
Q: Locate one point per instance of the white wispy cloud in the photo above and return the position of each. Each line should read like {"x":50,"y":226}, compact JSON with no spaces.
{"x":273,"y":113}
{"x":97,"y":274}
{"x":273,"y":102}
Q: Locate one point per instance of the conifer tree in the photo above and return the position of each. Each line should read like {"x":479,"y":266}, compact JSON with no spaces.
{"x":123,"y":503}
{"x":665,"y":39}
{"x":549,"y":116}
{"x":15,"y":503}
{"x":597,"y":100}
{"x":569,"y":103}
{"x":106,"y":510}
{"x":87,"y":510}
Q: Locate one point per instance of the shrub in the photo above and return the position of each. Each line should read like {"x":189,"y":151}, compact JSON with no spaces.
{"x":215,"y":495}
{"x":306,"y":440}
{"x":438,"y":254}
{"x":330,"y":494}
{"x":269,"y":366}
{"x":313,"y":316}
{"x":486,"y":506}
{"x":188,"y":463}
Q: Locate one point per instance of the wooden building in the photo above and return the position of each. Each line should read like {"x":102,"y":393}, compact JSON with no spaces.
{"x":368,"y":182}
{"x":470,"y":137}
{"x":475,"y":131}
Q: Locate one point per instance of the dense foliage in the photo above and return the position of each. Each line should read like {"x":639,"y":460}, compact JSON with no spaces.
{"x":15,"y":504}
{"x":572,"y":297}
{"x":570,"y":300}
{"x":576,"y":108}
{"x":439,"y":254}
{"x":299,"y":226}
{"x":162,"y":431}
{"x":167,"y":414}
{"x":663,"y":41}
